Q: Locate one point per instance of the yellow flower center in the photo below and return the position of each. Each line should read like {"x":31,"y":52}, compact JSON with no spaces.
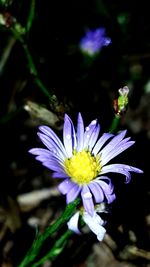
{"x":82,"y":167}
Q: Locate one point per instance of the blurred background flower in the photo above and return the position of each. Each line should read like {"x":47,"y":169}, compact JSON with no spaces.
{"x":93,"y":41}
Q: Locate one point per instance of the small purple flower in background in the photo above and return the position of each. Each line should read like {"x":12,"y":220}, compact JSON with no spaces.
{"x":93,"y":41}
{"x":81,"y":160}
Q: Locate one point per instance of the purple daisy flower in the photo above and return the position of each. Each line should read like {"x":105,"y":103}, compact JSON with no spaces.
{"x":93,"y":41}
{"x":82,"y":160}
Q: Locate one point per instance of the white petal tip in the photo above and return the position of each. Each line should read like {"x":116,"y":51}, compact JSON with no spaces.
{"x":87,"y":195}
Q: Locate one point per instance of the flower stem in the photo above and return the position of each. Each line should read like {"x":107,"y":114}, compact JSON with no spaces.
{"x":56,"y":249}
{"x":30,"y":16}
{"x":114,"y":124}
{"x":40,"y":238}
{"x":31,"y":64}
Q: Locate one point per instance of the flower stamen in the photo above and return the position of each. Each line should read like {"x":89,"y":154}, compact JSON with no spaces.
{"x":83,"y":167}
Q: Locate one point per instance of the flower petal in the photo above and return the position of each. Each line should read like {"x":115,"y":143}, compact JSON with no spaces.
{"x":94,"y":137}
{"x":96,"y":191}
{"x":66,"y":186}
{"x":118,"y":168}
{"x":49,"y":157}
{"x":50,"y":133}
{"x":59,"y":175}
{"x":80,"y":133}
{"x":43,"y":158}
{"x":88,"y":132}
{"x":113,"y":143}
{"x":51,"y":145}
{"x":107,"y":188}
{"x":101,"y":142}
{"x":53,"y":165}
{"x":110,"y":198}
{"x":73,"y":223}
{"x":106,"y":184}
{"x":73,"y":193}
{"x":69,"y":136}
{"x":87,"y":200}
{"x":45,"y":154}
{"x":39,"y":151}
{"x":95,"y":224}
{"x":114,"y":152}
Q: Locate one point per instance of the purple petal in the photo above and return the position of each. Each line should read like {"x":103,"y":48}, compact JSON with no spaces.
{"x":45,"y":154}
{"x":107,"y":187}
{"x":115,"y":167}
{"x":51,"y":156}
{"x":101,"y":142}
{"x":73,"y":193}
{"x":43,"y":158}
{"x":80,"y":133}
{"x":114,"y":152}
{"x":133,"y":169}
{"x":59,"y":175}
{"x":51,"y":145}
{"x":66,"y":186}
{"x":118,"y":168}
{"x":50,"y":133}
{"x":110,"y":198}
{"x":39,"y":151}
{"x":87,"y":200}
{"x":94,"y":137}
{"x":88,"y":132}
{"x":96,"y":191}
{"x":69,"y":136}
{"x":113,"y":143}
{"x":53,"y":165}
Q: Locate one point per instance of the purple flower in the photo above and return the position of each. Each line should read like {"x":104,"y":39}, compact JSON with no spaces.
{"x":82,"y":160}
{"x":93,"y":41}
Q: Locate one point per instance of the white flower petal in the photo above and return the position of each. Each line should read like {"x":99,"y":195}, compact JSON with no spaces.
{"x":95,"y":224}
{"x":73,"y":223}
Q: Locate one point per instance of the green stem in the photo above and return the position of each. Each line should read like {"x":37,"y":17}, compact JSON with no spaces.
{"x":56,"y":249}
{"x":31,"y":15}
{"x":114,"y":124}
{"x":58,"y":246}
{"x":31,"y":64}
{"x":38,"y":242}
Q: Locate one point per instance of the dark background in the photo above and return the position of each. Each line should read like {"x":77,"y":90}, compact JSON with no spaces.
{"x":80,"y":84}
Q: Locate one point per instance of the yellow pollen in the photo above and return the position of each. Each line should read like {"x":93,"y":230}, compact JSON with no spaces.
{"x":82,"y":167}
